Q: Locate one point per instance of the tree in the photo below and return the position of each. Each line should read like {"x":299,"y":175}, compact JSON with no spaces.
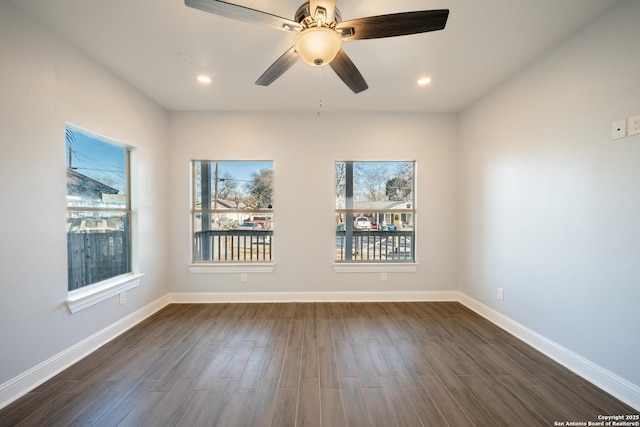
{"x":260,"y":189}
{"x":399,"y":187}
{"x":341,"y":173}
{"x":227,"y":185}
{"x":236,"y":197}
{"x":369,"y":182}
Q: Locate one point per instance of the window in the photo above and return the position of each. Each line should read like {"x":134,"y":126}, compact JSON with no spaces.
{"x":375,"y":211}
{"x":98,"y":209}
{"x":232,"y":217}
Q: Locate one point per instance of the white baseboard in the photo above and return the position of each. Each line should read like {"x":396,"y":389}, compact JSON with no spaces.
{"x":32,"y":378}
{"x":616,"y":386}
{"x":606,"y":380}
{"x":256,"y":297}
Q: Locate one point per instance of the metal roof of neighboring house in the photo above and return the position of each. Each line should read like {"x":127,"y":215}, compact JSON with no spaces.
{"x":81,"y":185}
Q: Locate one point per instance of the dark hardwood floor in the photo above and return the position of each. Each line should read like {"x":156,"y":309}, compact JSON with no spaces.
{"x":314,"y":364}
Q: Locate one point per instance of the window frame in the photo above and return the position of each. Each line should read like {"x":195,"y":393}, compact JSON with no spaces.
{"x":351,"y":265}
{"x":93,"y":293}
{"x":205,"y":266}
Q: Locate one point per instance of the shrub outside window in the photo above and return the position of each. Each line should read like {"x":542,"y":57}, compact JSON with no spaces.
{"x":232,"y":216}
{"x":98,"y":209}
{"x":375,"y":211}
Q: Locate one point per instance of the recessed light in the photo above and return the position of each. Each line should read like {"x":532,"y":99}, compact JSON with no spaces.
{"x":204,"y":79}
{"x":423,"y":81}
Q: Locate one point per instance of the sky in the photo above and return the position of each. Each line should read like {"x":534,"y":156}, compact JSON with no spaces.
{"x":97,"y":159}
{"x":242,"y":170}
{"x":105,"y":162}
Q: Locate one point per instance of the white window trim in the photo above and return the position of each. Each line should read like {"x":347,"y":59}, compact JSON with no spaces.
{"x":206,"y":268}
{"x":411,"y":266}
{"x":379,"y":267}
{"x":217,"y":267}
{"x":87,"y":296}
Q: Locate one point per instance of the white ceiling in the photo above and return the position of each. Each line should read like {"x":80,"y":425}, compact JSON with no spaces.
{"x":144,"y":42}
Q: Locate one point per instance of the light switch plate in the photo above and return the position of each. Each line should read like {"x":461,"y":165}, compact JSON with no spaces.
{"x":634,"y":125}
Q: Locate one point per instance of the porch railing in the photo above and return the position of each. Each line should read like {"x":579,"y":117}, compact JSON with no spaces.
{"x":373,"y":245}
{"x":257,"y":245}
{"x":233,"y":245}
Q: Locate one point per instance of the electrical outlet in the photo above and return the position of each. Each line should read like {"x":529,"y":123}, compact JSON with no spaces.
{"x":243,"y":277}
{"x":501,"y":294}
{"x":383,"y":276}
{"x":123,"y":298}
{"x":634,"y":125}
{"x":619,"y":129}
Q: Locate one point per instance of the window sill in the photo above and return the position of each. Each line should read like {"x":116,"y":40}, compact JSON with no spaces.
{"x":80,"y":299}
{"x":375,"y":267}
{"x":231,"y":268}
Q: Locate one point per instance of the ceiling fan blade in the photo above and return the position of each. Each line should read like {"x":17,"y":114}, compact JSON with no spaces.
{"x":278,"y":68}
{"x":328,"y":5}
{"x":241,"y":13}
{"x":347,"y":71}
{"x":395,"y":24}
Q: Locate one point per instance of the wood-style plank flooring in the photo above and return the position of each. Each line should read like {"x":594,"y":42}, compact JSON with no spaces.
{"x":313,"y":364}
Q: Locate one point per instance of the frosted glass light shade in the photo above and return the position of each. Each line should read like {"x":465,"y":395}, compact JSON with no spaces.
{"x":318,"y":45}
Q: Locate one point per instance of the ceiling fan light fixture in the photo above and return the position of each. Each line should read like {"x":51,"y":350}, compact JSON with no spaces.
{"x":318,"y":45}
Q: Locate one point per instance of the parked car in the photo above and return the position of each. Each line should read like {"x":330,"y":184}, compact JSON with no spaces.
{"x":249,"y":225}
{"x":362,"y":223}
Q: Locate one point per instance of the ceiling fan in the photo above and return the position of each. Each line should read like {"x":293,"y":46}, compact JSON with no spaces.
{"x":320,"y":32}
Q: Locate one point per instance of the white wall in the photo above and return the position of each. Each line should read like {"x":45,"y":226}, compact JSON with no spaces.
{"x":549,"y":205}
{"x":544,"y":204}
{"x":43,"y":83}
{"x":304,"y":148}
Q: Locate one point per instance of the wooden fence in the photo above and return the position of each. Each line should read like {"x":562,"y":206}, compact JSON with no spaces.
{"x":97,"y":256}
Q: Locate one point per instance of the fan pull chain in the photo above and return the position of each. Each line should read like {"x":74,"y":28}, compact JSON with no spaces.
{"x":320,"y":90}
